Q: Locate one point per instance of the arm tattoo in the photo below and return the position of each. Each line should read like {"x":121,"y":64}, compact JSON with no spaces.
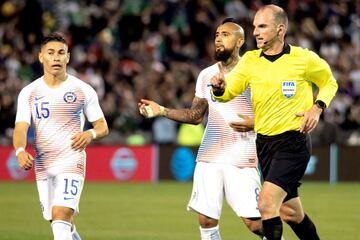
{"x":194,"y":115}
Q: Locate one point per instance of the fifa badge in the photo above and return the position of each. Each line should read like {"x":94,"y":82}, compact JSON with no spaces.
{"x":288,"y":88}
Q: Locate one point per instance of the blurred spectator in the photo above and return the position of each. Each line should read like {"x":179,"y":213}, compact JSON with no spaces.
{"x":164,"y":131}
{"x":7,"y":113}
{"x":325,"y":133}
{"x":135,"y":49}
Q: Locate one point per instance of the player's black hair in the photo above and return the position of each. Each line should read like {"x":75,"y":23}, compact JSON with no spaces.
{"x":53,"y":37}
{"x":232,"y":20}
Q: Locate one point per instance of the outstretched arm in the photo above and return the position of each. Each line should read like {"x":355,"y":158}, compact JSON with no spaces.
{"x":193,"y":115}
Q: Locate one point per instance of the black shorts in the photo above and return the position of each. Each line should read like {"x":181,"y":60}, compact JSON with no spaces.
{"x":283,"y":159}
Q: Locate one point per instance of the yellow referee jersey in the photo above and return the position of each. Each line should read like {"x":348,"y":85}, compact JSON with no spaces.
{"x":281,"y":88}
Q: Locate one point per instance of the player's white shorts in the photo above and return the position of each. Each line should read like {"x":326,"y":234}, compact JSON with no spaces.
{"x":60,"y":190}
{"x":213,"y":181}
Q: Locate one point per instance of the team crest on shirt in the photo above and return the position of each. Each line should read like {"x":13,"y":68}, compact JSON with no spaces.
{"x":288,"y":88}
{"x":70,"y":97}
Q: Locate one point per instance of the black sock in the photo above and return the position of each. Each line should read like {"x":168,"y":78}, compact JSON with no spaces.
{"x":272,"y":228}
{"x":305,"y":230}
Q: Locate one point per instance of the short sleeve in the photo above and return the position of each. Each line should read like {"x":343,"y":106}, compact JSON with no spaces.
{"x":23,"y":113}
{"x":200,"y":85}
{"x":92,"y":108}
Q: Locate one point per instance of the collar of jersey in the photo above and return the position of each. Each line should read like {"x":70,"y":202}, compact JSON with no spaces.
{"x":273,"y":58}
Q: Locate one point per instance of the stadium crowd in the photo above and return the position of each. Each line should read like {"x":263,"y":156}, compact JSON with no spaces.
{"x":132,"y":49}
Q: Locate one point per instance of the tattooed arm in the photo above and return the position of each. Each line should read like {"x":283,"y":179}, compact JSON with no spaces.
{"x":193,"y":115}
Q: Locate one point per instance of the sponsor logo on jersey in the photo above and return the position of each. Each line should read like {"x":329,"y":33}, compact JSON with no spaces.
{"x":68,"y":198}
{"x":38,"y":98}
{"x":288,"y":88}
{"x":70,"y":97}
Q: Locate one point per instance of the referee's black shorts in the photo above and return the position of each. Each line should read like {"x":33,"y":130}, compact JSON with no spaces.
{"x":283,"y":159}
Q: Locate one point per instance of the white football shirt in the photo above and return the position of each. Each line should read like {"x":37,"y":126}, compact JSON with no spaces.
{"x":57,"y":114}
{"x":220,"y":142}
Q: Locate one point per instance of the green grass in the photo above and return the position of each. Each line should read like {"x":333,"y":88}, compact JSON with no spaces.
{"x":158,"y":212}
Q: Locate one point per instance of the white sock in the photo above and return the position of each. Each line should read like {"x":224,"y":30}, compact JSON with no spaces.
{"x":210,"y":233}
{"x":75,"y":234}
{"x":61,"y":230}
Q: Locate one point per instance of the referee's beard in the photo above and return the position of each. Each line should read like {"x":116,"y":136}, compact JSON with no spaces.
{"x":223,"y":55}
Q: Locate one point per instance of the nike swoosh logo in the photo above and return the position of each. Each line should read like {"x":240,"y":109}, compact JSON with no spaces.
{"x":67,"y":198}
{"x":38,"y":98}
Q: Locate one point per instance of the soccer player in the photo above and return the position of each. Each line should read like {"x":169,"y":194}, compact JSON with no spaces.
{"x":226,"y":160}
{"x":56,"y":104}
{"x":281,"y":78}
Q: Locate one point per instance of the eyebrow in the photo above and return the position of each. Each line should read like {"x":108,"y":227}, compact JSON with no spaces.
{"x":222,"y":32}
{"x":261,"y":25}
{"x":53,"y":50}
{"x":227,"y":31}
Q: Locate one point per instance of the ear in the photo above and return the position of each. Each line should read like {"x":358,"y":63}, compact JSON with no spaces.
{"x":240,"y":42}
{"x":281,"y":29}
{"x":68,"y":58}
{"x":40,"y":57}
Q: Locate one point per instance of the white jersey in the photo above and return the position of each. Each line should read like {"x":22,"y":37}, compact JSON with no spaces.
{"x":57,"y":114}
{"x":220,"y":142}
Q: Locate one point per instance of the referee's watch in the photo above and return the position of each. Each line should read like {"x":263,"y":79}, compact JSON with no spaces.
{"x":320,"y":104}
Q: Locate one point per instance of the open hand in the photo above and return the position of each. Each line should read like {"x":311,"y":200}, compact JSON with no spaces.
{"x":81,"y":140}
{"x":310,"y":120}
{"x":244,"y":124}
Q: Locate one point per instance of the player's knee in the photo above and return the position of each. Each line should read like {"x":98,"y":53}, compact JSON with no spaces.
{"x":289,"y":215}
{"x":266,"y":207}
{"x":62,"y":213}
{"x":207,"y":222}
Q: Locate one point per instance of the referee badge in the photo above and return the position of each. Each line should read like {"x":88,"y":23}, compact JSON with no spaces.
{"x":288,"y":88}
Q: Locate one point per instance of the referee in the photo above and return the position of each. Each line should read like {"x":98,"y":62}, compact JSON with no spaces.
{"x":281,"y":78}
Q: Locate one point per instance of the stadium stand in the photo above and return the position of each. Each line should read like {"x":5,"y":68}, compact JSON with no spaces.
{"x":155,"y":49}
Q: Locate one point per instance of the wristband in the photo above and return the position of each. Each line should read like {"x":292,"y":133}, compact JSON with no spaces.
{"x":162,"y":110}
{"x":148,"y":111}
{"x":93,"y":133}
{"x":19,"y":150}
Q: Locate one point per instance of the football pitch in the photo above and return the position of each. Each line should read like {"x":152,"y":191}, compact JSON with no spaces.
{"x":134,"y":211}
